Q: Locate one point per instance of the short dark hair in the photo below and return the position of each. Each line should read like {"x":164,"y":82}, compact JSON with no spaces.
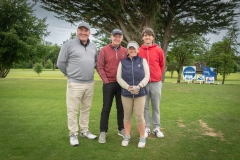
{"x":148,"y":31}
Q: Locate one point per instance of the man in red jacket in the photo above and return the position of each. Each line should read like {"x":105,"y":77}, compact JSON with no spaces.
{"x":155,"y":58}
{"x":107,"y":64}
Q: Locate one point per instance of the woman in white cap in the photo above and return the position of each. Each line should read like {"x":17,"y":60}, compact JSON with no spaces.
{"x":133,"y":75}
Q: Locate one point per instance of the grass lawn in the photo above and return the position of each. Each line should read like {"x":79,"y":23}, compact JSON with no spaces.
{"x":198,"y":121}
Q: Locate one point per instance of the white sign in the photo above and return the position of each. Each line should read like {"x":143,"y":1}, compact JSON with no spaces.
{"x":209,"y":79}
{"x":189,"y":71}
{"x":188,"y":78}
{"x":200,"y":78}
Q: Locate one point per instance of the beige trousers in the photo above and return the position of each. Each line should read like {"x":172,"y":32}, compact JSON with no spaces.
{"x":138,"y":104}
{"x":79,"y":96}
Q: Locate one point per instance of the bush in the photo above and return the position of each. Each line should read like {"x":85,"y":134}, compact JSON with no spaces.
{"x":38,"y":68}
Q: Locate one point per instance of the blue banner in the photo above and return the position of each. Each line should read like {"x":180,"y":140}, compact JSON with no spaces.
{"x":208,"y":72}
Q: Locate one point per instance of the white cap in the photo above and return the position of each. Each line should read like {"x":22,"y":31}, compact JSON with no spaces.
{"x":83,"y":24}
{"x":132,"y":44}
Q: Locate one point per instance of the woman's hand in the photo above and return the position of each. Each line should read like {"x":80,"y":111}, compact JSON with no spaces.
{"x":134,"y":89}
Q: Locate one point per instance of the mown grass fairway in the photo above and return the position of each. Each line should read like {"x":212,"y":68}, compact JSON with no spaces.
{"x":198,"y":121}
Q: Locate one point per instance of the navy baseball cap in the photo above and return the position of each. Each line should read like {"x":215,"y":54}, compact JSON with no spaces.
{"x":117,"y":31}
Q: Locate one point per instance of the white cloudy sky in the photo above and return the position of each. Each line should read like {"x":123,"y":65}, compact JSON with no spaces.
{"x":61,"y":30}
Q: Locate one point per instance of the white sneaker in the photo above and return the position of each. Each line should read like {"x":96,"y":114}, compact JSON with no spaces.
{"x":102,"y":137}
{"x":74,"y":140}
{"x":147,"y":132}
{"x":142,"y":142}
{"x":158,"y":133}
{"x":126,"y":141}
{"x":88,"y":135}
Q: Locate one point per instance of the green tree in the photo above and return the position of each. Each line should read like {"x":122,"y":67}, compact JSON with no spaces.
{"x":213,"y":57}
{"x":20,"y":33}
{"x":170,"y":19}
{"x":43,"y":50}
{"x":238,"y":63}
{"x":224,"y":54}
{"x":238,"y":67}
{"x":102,"y":41}
{"x":171,"y":63}
{"x":53,"y":55}
{"x":46,"y":51}
{"x":185,"y":50}
{"x":38,"y":68}
{"x":49,"y":64}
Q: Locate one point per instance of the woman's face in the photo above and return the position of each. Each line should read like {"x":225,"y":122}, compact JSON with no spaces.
{"x":132,"y":52}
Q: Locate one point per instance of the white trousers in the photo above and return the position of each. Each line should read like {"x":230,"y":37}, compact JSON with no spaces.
{"x":79,"y":97}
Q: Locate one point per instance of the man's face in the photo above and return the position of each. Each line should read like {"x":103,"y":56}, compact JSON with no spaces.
{"x":147,"y":39}
{"x":116,"y":39}
{"x":83,"y":34}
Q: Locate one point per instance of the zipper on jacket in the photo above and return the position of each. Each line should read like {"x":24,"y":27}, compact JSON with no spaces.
{"x":133,"y":74}
{"x":116,"y":51}
{"x":148,"y":62}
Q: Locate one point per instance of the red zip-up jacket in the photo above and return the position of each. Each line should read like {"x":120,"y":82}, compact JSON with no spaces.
{"x":155,"y":58}
{"x":108,"y":60}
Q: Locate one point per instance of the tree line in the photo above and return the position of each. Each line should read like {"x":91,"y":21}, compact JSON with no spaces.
{"x":177,"y":25}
